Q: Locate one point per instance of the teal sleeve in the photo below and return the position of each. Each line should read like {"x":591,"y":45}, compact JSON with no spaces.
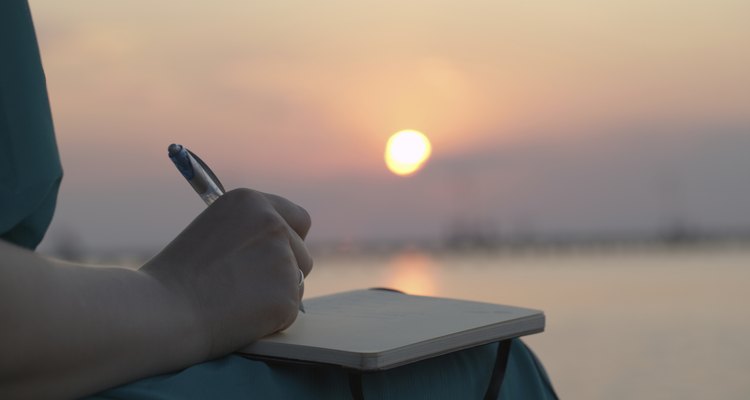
{"x":30,"y":171}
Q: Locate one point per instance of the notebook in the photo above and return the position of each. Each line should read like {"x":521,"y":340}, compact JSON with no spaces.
{"x":379,"y":329}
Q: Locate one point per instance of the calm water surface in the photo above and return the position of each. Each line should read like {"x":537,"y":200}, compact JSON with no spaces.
{"x":638,"y":324}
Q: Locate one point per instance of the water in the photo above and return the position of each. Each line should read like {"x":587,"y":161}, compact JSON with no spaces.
{"x":639,"y":324}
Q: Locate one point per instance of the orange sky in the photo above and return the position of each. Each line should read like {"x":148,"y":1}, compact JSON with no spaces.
{"x":346,"y":75}
{"x":311,"y":90}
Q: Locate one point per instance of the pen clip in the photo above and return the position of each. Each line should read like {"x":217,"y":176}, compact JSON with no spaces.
{"x":208,"y":170}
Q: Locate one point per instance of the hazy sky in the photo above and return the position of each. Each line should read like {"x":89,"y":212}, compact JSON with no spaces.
{"x":545,"y":116}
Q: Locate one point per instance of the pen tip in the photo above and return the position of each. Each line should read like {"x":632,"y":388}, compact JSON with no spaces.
{"x":173,"y":149}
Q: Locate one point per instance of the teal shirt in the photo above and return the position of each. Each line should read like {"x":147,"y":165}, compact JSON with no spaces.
{"x":30,"y":175}
{"x":30,"y":170}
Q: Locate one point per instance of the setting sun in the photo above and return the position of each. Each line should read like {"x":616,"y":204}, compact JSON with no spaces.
{"x":406,"y":152}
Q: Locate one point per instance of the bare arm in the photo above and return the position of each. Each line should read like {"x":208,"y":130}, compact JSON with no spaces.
{"x":70,"y":329}
{"x":229,"y":278}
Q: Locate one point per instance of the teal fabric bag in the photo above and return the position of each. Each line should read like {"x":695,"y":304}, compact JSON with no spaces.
{"x":30,"y":175}
{"x":460,"y":375}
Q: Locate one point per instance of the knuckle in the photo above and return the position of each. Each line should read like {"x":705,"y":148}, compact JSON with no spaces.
{"x":279,"y":250}
{"x":305,"y":261}
{"x":298,"y":212}
{"x":278,"y":256}
{"x":270,"y":221}
{"x":310,"y":264}
{"x":244,"y":195}
{"x":306,"y":220}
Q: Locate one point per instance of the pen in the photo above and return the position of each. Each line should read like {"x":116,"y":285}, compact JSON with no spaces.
{"x":197,"y":173}
{"x":203,"y":181}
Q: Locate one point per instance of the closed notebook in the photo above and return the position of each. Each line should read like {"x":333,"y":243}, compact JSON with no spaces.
{"x":381,"y":329}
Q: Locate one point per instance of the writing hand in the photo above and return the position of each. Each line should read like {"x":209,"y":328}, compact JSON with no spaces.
{"x":235,"y":267}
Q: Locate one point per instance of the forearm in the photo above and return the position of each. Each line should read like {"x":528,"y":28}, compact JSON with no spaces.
{"x":230,"y":277}
{"x":68,"y":330}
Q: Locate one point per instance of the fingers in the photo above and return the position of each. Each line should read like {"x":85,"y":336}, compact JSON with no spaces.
{"x":299,"y":221}
{"x":304,"y":260}
{"x":275,"y":212}
{"x":294,"y":215}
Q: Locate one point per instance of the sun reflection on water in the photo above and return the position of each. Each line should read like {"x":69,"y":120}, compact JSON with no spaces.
{"x":413,"y":272}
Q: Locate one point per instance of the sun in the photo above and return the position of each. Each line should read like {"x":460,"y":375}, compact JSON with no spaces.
{"x":406,"y":152}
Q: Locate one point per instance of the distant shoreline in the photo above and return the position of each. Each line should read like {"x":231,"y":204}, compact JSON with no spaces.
{"x":460,"y":245}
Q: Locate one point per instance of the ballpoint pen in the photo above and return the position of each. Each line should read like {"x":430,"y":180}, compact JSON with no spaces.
{"x":197,"y":173}
{"x":203,"y":181}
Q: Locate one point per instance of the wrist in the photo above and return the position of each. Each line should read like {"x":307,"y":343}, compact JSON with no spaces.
{"x":185,"y":329}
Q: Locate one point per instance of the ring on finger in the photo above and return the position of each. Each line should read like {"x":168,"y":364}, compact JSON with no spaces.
{"x":301,"y":278}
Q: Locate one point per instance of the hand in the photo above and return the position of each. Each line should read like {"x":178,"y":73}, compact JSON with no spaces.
{"x":235,"y":266}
